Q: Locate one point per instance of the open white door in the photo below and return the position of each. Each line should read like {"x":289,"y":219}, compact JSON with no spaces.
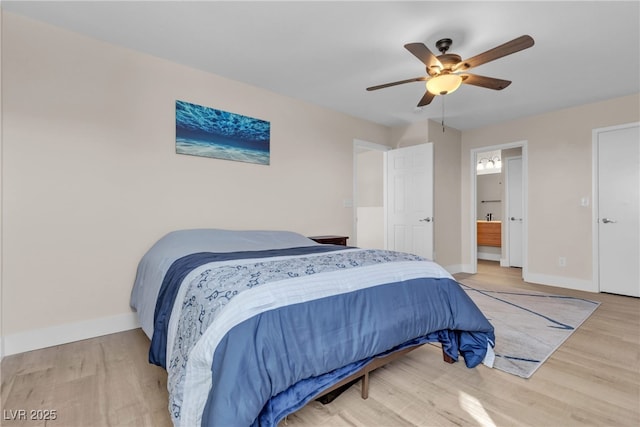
{"x":409,"y":200}
{"x":515,"y":210}
{"x":618,"y":226}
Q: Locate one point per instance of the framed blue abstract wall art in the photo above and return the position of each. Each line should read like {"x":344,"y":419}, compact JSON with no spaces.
{"x":207,"y":132}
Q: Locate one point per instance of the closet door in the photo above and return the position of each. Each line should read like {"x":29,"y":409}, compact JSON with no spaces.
{"x":618,"y":222}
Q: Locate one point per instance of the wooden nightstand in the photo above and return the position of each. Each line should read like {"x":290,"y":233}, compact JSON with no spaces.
{"x":331,"y":240}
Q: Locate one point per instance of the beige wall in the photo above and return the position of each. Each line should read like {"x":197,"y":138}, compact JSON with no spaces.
{"x":446,"y":194}
{"x":559,"y":150}
{"x":489,"y":187}
{"x":91,"y":178}
{"x":370,"y":179}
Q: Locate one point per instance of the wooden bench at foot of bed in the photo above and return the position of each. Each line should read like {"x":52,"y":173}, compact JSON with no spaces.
{"x":334,"y":391}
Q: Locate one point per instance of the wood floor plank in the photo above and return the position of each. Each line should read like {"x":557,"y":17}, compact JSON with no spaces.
{"x":593,"y":379}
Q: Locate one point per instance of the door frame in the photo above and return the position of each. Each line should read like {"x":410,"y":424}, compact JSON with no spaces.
{"x":473,"y":161}
{"x":595,"y":214}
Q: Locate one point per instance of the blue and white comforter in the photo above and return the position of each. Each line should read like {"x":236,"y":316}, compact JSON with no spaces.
{"x":253,"y":336}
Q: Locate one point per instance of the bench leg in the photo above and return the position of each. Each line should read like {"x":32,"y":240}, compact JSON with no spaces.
{"x":365,"y":385}
{"x":447,"y":358}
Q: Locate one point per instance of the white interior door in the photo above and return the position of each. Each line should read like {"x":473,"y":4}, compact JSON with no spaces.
{"x":515,"y":210}
{"x":618,"y":178}
{"x":409,"y":200}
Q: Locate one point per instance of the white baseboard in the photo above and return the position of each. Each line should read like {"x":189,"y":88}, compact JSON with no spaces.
{"x":541,"y":279}
{"x":467,"y":268}
{"x":488,"y":256}
{"x":454,"y":269}
{"x":62,"y":334}
{"x":561,"y":282}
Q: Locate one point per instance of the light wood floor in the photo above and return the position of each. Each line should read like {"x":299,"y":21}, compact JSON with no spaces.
{"x":592,"y":379}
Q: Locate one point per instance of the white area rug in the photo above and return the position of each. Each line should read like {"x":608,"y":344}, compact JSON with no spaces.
{"x":529,"y":326}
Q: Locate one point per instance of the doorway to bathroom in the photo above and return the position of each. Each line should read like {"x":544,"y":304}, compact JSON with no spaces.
{"x":499,"y":205}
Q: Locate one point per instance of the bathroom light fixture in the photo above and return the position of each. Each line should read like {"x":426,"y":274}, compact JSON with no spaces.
{"x":497,"y":163}
{"x":443,"y":84}
{"x":489,"y":163}
{"x":485,"y":163}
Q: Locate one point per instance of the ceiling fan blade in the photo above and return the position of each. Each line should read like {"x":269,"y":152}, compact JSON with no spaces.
{"x":486,"y":82}
{"x":426,"y":99}
{"x":515,"y":45}
{"x":422,"y":52}
{"x":416,"y":79}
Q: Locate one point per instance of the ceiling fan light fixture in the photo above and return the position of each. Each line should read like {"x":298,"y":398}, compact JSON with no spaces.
{"x":444,"y":84}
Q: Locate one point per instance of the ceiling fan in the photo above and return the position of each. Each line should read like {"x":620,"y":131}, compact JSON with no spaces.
{"x":447,"y":71}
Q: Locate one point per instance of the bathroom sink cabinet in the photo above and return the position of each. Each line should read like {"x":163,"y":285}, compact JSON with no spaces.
{"x":489,"y":233}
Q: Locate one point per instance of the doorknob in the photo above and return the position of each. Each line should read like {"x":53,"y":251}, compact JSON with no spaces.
{"x":513,"y":218}
{"x":427,"y":219}
{"x":608,"y":221}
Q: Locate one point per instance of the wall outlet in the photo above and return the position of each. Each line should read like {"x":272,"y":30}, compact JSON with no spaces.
{"x":562,"y":262}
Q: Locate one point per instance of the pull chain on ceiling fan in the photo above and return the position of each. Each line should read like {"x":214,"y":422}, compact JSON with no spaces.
{"x":447,"y":71}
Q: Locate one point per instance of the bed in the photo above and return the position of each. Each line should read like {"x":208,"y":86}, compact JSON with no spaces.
{"x":252,"y":325}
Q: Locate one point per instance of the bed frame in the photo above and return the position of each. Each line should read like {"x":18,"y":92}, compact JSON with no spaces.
{"x":328,"y":395}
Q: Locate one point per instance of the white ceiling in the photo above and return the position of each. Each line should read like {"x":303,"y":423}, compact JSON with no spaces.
{"x":328,"y":52}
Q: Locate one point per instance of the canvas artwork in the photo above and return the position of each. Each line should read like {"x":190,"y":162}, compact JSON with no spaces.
{"x":207,"y":132}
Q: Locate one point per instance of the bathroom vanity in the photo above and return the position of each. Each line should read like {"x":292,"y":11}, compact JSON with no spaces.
{"x":489,"y":233}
